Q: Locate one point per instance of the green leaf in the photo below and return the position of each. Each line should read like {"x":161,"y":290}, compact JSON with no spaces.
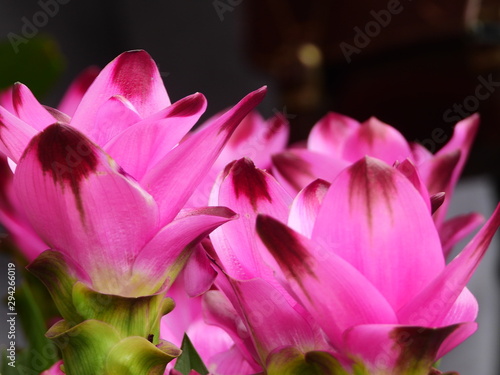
{"x":136,"y":355}
{"x":51,"y":269}
{"x":38,"y":63}
{"x":190,"y":359}
{"x":42,"y":352}
{"x":131,"y":316}
{"x":85,"y":346}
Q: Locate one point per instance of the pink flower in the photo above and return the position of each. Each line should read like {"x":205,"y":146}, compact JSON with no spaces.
{"x":362,"y":267}
{"x":254,"y":138}
{"x":372,"y":271}
{"x":109,"y":195}
{"x":127,"y":113}
{"x":338,"y":141}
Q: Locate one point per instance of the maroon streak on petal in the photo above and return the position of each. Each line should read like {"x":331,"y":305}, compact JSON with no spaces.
{"x":188,"y":106}
{"x":250,"y":182}
{"x":419,"y":346}
{"x":288,"y":165}
{"x":437,"y":200}
{"x":274,"y":125}
{"x":441,"y":171}
{"x":67,"y":155}
{"x":143,"y":67}
{"x":291,"y":255}
{"x":370,"y":178}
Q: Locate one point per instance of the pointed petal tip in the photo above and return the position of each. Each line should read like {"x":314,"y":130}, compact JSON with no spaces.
{"x":189,"y":105}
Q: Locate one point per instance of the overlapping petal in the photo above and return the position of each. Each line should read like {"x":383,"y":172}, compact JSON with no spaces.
{"x":79,"y":201}
{"x":384,"y":229}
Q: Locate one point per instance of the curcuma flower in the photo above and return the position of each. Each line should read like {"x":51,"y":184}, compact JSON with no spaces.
{"x":338,"y":141}
{"x":104,"y":191}
{"x":346,"y":279}
{"x":372,"y":271}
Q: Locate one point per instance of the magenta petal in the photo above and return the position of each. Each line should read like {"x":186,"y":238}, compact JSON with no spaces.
{"x":249,"y":191}
{"x":456,"y":229}
{"x":330,"y":133}
{"x":77,"y":89}
{"x":333,"y":291}
{"x":297,"y":168}
{"x":185,"y":166}
{"x":139,"y":147}
{"x":437,"y":174}
{"x":449,"y":284}
{"x":398,"y":349}
{"x":133,"y":75}
{"x":256,"y":139}
{"x":271,"y":319}
{"x":410,"y":171}
{"x":113,"y":117}
{"x":377,"y":139}
{"x":376,"y":220}
{"x":232,"y":362}
{"x":15,"y":135}
{"x":219,"y":311}
{"x":305,"y":207}
{"x":157,"y":259}
{"x":80,"y":203}
{"x":29,"y":109}
{"x":198,"y":274}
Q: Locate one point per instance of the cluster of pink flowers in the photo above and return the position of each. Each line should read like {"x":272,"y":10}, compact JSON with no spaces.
{"x":323,"y":258}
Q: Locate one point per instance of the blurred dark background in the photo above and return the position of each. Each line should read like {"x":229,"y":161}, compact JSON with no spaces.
{"x":417,"y":65}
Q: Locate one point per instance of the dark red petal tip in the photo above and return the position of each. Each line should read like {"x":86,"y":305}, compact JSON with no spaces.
{"x":188,"y":106}
{"x":250,"y":182}
{"x":66,"y":154}
{"x":291,"y":255}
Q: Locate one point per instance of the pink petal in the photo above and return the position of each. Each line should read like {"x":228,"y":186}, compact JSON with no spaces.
{"x":463,"y":137}
{"x":305,"y":207}
{"x":297,"y":168}
{"x":397,"y":349}
{"x":163,"y":256}
{"x":232,"y":362}
{"x":456,"y":229}
{"x":256,"y":139}
{"x":113,"y":117}
{"x":133,"y":75}
{"x":249,"y":191}
{"x":273,"y":321}
{"x":198,"y":273}
{"x":80,"y":203}
{"x":377,"y":139}
{"x":77,"y":89}
{"x":419,"y":154}
{"x":219,"y":311}
{"x":6,"y":99}
{"x":410,"y":171}
{"x":447,"y":286}
{"x":54,"y":370}
{"x":376,"y":220}
{"x":186,"y":165}
{"x":437,"y":174}
{"x":330,"y":133}
{"x":29,"y":109}
{"x":15,"y":135}
{"x":141,"y":146}
{"x":333,"y":291}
